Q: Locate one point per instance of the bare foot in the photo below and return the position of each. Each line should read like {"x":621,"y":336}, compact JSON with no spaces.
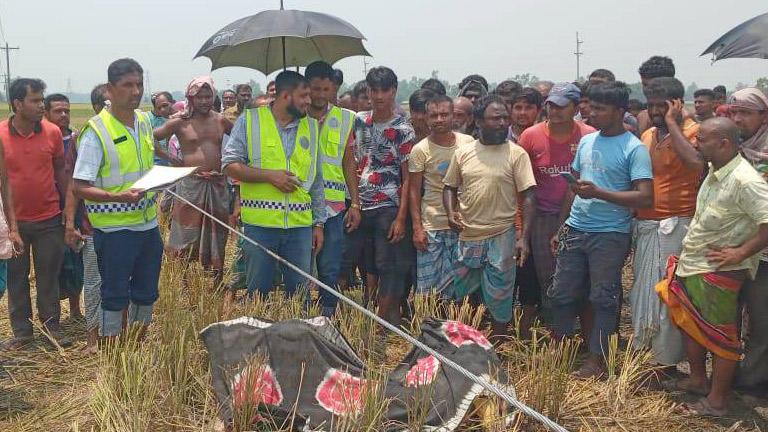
{"x":688,"y":385}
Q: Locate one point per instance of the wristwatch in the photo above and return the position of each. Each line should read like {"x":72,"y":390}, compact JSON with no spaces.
{"x":319,"y":225}
{"x":355,"y":206}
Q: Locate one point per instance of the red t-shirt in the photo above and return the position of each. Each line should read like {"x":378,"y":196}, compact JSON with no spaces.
{"x":549,"y":158}
{"x":29,"y":160}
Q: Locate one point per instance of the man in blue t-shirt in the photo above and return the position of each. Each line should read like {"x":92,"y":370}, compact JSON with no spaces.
{"x":614,"y":175}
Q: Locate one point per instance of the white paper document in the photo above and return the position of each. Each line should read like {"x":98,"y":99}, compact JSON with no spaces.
{"x":161,"y":176}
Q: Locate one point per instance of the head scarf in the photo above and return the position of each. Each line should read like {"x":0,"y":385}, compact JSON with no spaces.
{"x":193,"y":88}
{"x":754,"y":148}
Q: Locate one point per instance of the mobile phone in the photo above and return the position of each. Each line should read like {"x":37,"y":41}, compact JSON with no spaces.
{"x":568,"y":177}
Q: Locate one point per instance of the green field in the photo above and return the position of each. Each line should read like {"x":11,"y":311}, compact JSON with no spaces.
{"x":80,"y":112}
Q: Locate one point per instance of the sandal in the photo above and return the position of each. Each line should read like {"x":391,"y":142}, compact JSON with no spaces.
{"x":684,"y":385}
{"x":701,"y":408}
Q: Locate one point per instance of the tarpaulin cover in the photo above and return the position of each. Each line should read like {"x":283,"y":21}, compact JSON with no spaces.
{"x":307,"y":365}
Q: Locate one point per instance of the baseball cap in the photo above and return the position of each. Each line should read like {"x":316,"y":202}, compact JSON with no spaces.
{"x":563,"y":93}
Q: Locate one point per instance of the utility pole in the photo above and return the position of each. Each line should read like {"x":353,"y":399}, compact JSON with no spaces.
{"x":69,"y":88}
{"x":365,"y":66}
{"x":7,"y":50}
{"x":578,"y":55}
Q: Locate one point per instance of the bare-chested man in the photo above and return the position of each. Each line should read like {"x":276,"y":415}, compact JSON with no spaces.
{"x":200,"y":132}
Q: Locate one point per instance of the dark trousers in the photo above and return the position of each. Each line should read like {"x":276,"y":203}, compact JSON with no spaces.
{"x":589,"y":268}
{"x":753,"y":370}
{"x":45,"y":239}
{"x":394,"y":261}
{"x":129,"y":265}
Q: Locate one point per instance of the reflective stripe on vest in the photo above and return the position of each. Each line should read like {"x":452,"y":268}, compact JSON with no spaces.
{"x":263,"y":204}
{"x":333,"y":141}
{"x":124,"y":162}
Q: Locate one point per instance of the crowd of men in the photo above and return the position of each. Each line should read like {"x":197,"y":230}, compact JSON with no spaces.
{"x":528,"y":197}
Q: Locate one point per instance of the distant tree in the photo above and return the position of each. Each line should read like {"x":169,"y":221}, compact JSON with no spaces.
{"x":740,"y":85}
{"x":255,"y":87}
{"x":762,"y":84}
{"x":526,"y":80}
{"x":690,"y":90}
{"x":636,"y":91}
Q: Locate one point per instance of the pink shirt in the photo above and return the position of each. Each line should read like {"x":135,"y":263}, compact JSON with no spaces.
{"x":549,"y":158}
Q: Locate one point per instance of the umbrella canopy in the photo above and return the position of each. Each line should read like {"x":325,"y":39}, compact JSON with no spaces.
{"x":276,"y":39}
{"x":747,"y":40}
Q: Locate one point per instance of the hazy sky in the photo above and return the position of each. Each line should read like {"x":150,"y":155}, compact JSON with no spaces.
{"x":77,"y":39}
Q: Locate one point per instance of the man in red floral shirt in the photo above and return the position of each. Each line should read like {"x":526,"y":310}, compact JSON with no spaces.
{"x":377,"y":216}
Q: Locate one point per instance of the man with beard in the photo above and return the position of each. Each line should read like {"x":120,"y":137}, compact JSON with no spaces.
{"x":614,"y":175}
{"x":244,"y":95}
{"x":273,"y":152}
{"x":378,"y":213}
{"x":654,"y":67}
{"x":115,"y":149}
{"x":71,"y":277}
{"x":335,"y":136}
{"x":417,"y":104}
{"x":200,"y":132}
{"x":433,"y":238}
{"x":491,"y":172}
{"x":749,"y":110}
{"x":462,"y":116}
{"x":34,"y":157}
{"x":658,"y":231}
{"x":551,"y":145}
{"x":526,"y":107}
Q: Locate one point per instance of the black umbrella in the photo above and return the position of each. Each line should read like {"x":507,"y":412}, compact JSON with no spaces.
{"x":276,"y":39}
{"x":747,"y":40}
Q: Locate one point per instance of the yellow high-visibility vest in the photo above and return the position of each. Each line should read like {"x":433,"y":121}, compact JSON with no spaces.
{"x":263,"y":204}
{"x":333,"y":141}
{"x":125,"y":161}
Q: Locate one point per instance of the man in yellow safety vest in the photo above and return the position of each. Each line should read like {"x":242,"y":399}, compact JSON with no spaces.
{"x":114,"y":150}
{"x":273,"y":152}
{"x":335,"y":135}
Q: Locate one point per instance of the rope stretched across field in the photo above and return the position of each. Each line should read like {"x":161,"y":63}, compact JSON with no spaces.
{"x":491,"y":387}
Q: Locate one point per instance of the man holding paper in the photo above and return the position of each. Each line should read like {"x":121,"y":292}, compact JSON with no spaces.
{"x":115,"y":149}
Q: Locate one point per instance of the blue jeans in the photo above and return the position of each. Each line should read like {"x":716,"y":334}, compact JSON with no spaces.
{"x":329,"y":261}
{"x":293,"y":244}
{"x":129,"y":265}
{"x":589,"y":267}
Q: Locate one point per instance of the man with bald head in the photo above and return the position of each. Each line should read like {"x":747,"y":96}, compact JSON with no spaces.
{"x":462,"y":115}
{"x":749,"y":110}
{"x":720,"y":253}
